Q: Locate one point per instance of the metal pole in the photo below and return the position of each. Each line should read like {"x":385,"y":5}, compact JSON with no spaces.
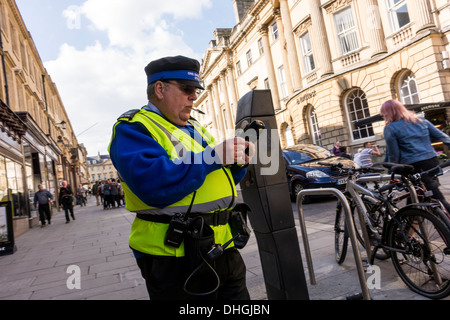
{"x":351,"y":229}
{"x":302,"y":222}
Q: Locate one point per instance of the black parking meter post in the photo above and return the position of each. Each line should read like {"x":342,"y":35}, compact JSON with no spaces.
{"x":264,"y":189}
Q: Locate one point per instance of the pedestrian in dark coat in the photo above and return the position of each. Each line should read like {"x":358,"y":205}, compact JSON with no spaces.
{"x":43,"y":200}
{"x":66,"y":200}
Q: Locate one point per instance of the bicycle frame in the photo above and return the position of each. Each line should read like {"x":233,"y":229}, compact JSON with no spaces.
{"x":356,"y":191}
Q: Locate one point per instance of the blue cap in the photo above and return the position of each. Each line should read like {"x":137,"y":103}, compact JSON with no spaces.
{"x":179,"y":68}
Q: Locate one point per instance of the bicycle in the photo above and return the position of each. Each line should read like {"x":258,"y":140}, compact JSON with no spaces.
{"x":403,"y":186}
{"x":374,"y":208}
{"x":415,"y":236}
{"x":414,"y":180}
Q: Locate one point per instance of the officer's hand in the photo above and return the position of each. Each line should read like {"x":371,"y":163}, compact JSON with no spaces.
{"x":232,"y":151}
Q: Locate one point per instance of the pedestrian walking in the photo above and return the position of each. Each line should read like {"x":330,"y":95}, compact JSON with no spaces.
{"x":100,"y":192}
{"x":95,"y":192}
{"x":43,"y":200}
{"x":106,"y":195}
{"x":81,"y":195}
{"x":408,"y":141}
{"x":148,"y":148}
{"x":66,"y":200}
{"x":114,"y":190}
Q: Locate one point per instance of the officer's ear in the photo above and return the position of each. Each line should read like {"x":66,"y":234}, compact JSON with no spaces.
{"x":159,"y":89}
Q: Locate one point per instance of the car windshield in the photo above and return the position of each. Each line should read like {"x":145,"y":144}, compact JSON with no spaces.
{"x":305,"y":153}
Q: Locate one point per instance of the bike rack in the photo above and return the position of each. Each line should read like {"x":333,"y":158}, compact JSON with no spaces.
{"x":351,"y":230}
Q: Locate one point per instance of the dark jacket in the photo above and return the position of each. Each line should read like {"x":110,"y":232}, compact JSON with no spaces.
{"x":65,"y":195}
{"x":42,"y":197}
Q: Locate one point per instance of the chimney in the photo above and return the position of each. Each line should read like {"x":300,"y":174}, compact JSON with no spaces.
{"x":241,"y":7}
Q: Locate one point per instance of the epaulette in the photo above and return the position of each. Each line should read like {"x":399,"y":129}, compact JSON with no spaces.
{"x":129,"y":114}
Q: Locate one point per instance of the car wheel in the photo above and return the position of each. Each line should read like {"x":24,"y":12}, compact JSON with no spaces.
{"x":296,"y":188}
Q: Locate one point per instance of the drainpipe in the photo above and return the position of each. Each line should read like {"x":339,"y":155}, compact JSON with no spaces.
{"x":4,"y":69}
{"x":46,"y":105}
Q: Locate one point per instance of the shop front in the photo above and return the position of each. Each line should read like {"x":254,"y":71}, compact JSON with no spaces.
{"x":40,"y":158}
{"x":12,"y":169}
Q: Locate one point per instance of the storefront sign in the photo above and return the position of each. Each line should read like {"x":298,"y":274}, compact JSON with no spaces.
{"x":306,"y":96}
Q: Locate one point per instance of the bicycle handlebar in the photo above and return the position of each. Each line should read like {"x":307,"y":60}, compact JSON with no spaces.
{"x":407,"y":169}
{"x":339,"y":165}
{"x":389,"y":186}
{"x":445,"y":164}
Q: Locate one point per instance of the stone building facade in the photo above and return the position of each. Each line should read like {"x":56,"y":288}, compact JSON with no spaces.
{"x":328,"y":64}
{"x":37,"y":141}
{"x":101,"y":168}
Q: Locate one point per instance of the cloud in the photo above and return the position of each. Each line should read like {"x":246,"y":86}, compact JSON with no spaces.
{"x":101,"y":81}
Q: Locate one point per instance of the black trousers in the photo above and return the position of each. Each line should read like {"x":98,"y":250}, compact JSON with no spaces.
{"x":44,"y":213}
{"x":166,"y":278}
{"x":68,"y":207}
{"x":431,"y":183}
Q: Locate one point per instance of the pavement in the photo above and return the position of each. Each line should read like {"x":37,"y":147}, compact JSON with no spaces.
{"x":95,"y":246}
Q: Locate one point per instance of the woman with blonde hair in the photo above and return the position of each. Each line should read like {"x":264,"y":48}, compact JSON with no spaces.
{"x":408,"y":141}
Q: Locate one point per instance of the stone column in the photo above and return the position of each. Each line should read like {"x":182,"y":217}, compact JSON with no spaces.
{"x":226,"y":103}
{"x":211,"y":110}
{"x":373,"y":28}
{"x":420,"y":14}
{"x":290,"y":45}
{"x":234,"y":100}
{"x":269,"y":65}
{"x":284,"y":55}
{"x":217,"y":112}
{"x":319,"y":39}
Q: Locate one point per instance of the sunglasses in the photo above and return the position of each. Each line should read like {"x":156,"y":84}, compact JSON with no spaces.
{"x":188,"y":90}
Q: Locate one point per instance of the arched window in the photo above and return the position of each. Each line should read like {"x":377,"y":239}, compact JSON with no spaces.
{"x":358,"y":109}
{"x":314,"y":127}
{"x":409,"y":94}
{"x":289,"y":137}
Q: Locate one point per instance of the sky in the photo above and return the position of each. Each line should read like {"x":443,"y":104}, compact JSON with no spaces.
{"x":96,"y":50}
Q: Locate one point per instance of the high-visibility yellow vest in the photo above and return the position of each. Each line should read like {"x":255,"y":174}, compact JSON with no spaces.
{"x":217,"y":193}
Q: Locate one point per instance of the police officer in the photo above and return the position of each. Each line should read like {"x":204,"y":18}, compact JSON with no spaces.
{"x":169,"y":166}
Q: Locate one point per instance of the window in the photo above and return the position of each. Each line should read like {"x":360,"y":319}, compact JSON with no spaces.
{"x":266,"y":83}
{"x":346,"y":31}
{"x":260,"y":47}
{"x":308,"y":59}
{"x":249,"y":57}
{"x":358,"y":109}
{"x":409,"y":93}
{"x":289,"y":137}
{"x":274,"y":29}
{"x":283,"y":85}
{"x":314,"y":125}
{"x":224,"y":113}
{"x":238,"y":68}
{"x":398,"y":12}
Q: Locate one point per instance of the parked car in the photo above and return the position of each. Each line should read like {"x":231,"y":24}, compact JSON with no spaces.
{"x":304,"y":171}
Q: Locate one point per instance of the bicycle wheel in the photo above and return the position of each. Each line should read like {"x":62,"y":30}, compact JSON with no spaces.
{"x":422,"y":260}
{"x":376,"y":217}
{"x":340,"y":235}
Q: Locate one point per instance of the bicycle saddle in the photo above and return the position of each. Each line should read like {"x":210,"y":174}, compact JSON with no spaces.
{"x":398,"y":168}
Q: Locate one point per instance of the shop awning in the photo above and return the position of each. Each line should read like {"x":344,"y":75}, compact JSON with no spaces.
{"x":11,"y":123}
{"x":419,"y":107}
